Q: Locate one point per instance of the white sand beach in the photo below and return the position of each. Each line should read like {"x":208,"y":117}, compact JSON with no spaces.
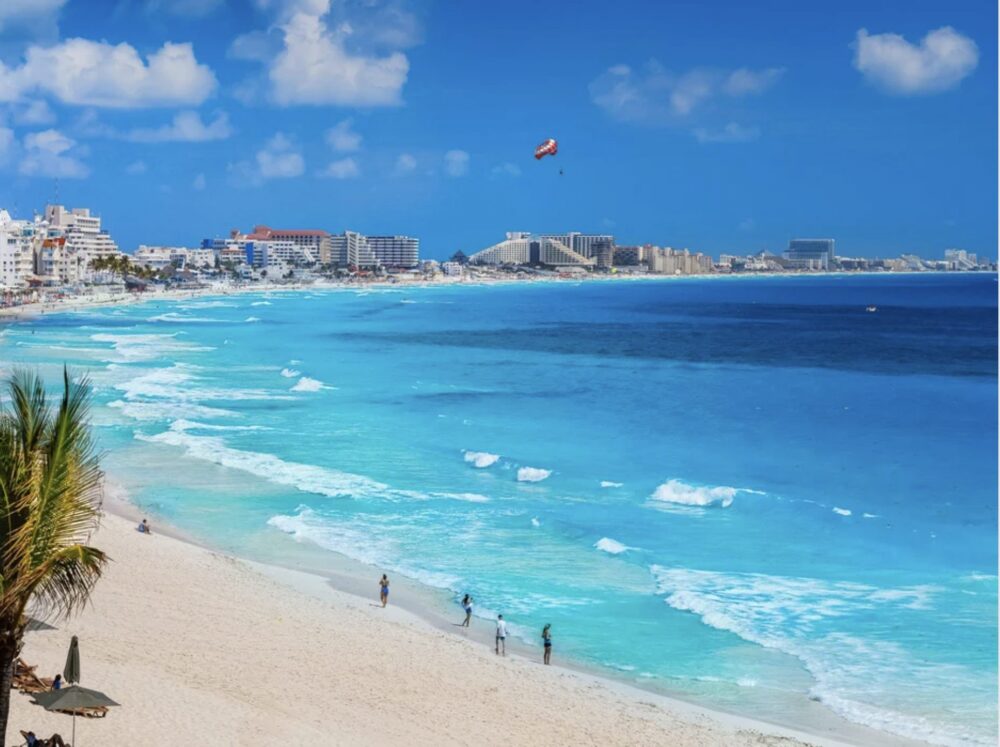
{"x":201,"y":648}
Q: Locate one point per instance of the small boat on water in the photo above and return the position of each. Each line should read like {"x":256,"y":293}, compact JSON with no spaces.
{"x":871,"y":309}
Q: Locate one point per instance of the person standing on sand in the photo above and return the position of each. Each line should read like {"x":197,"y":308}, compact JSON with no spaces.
{"x":467,"y":606}
{"x":547,"y":642}
{"x":501,"y":635}
{"x":383,"y":585}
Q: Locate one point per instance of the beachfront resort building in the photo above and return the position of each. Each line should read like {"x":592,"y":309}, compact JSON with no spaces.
{"x":17,"y":259}
{"x":668,"y":261}
{"x":351,"y":249}
{"x":182,"y":258}
{"x":66,"y":242}
{"x":315,"y":241}
{"x":520,"y":248}
{"x":396,"y":251}
{"x":283,"y":254}
{"x":810,"y":254}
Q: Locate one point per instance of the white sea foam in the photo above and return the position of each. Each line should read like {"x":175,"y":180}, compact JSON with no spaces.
{"x":208,"y":305}
{"x":290,"y":373}
{"x":609,"y":484}
{"x":176,"y":318}
{"x":614,"y":547}
{"x":532,"y":474}
{"x":149,"y":411}
{"x":681,"y":493}
{"x":535,"y":522}
{"x":305,"y":384}
{"x":842,"y":511}
{"x":306,"y":477}
{"x":183,"y":424}
{"x":131,"y":348}
{"x":261,"y":303}
{"x":252,"y":319}
{"x":870,"y":516}
{"x":481,"y":459}
{"x":859,"y":678}
{"x":468,"y":497}
{"x":179,"y":383}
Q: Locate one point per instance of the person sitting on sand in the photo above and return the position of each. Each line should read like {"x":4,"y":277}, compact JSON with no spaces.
{"x":501,"y":635}
{"x":144,"y":527}
{"x":467,"y":606}
{"x":384,"y":589}
{"x":547,"y":641}
{"x":54,"y":741}
{"x":57,"y":682}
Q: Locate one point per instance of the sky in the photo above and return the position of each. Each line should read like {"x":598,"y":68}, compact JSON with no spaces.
{"x":720,"y":126}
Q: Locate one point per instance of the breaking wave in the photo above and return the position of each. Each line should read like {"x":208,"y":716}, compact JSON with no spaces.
{"x":613,"y":547}
{"x":532,"y":474}
{"x":481,"y":459}
{"x":681,"y":493}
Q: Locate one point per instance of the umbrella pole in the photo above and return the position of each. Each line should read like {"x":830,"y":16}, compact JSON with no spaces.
{"x":74,"y":728}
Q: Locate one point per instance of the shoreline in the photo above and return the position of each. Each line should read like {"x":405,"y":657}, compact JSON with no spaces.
{"x":427,"y":606}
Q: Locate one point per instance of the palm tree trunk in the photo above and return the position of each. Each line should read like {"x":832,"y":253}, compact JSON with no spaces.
{"x":9,"y":649}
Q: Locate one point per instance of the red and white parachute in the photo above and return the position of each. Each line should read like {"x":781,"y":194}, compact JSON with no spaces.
{"x":549,"y":148}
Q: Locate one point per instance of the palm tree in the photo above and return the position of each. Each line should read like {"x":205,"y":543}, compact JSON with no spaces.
{"x":50,"y":499}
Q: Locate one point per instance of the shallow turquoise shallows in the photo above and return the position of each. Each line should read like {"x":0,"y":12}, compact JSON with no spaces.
{"x":747,"y":490}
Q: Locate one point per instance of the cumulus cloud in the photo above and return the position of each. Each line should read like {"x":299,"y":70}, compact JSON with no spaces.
{"x":7,"y":143}
{"x":406,"y":164}
{"x":186,"y":127}
{"x":83,"y":72}
{"x":345,"y":168}
{"x":341,"y":137}
{"x":655,"y":95}
{"x":36,"y":112}
{"x":316,"y":67}
{"x":456,"y":163}
{"x":278,"y":159}
{"x":506,"y":169}
{"x":731,"y":133}
{"x":942,"y":59}
{"x":136,"y":167}
{"x":52,"y":154}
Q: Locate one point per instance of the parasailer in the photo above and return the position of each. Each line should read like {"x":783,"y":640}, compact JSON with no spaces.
{"x":549,"y":148}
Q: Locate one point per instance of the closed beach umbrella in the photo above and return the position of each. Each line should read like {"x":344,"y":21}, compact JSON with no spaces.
{"x":72,"y":699}
{"x":71,"y":672}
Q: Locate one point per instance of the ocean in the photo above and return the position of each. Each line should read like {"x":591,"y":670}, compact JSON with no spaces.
{"x":747,"y":491}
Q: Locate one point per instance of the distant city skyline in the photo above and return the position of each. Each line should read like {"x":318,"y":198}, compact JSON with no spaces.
{"x":723,"y":128}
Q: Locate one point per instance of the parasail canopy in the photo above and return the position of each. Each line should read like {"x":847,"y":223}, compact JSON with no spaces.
{"x":549,"y":148}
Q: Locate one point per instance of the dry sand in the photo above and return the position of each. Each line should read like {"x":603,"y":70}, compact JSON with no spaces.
{"x":202,"y":648}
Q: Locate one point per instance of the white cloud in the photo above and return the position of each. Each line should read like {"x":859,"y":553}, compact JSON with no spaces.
{"x":405,"y":164}
{"x":506,"y":169}
{"x":456,"y":163}
{"x":83,"y":72}
{"x":345,"y":168}
{"x":341,"y":137}
{"x":315,"y":66}
{"x":655,"y":95}
{"x":50,"y":153}
{"x":744,"y":81}
{"x":199,"y":182}
{"x":731,"y":133}
{"x":136,"y":167}
{"x":942,"y":59}
{"x":37,"y":112}
{"x":257,"y":46}
{"x":278,"y":159}
{"x":29,"y":14}
{"x":186,"y":127}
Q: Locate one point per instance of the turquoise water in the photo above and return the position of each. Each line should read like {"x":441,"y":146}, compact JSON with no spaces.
{"x":748,"y":490}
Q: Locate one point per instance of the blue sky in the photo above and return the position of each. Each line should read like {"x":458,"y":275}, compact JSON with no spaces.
{"x":719,"y":126}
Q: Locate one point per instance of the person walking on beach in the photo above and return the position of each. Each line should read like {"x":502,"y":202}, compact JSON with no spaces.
{"x":467,"y":606}
{"x":547,"y":642}
{"x":501,"y":635}
{"x":383,"y":585}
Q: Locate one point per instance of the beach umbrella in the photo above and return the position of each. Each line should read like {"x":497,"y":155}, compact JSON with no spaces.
{"x":73,"y":699}
{"x":71,"y":672}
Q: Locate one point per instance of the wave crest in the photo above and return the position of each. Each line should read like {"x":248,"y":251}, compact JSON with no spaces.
{"x":532,"y":474}
{"x":481,"y":459}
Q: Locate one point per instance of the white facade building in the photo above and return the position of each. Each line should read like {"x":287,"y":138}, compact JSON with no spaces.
{"x":396,"y":251}
{"x":285,"y":252}
{"x":72,"y":240}
{"x":521,"y":248}
{"x":16,"y":251}
{"x":351,"y":249}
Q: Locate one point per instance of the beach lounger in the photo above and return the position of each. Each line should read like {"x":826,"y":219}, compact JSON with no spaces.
{"x":27,"y":681}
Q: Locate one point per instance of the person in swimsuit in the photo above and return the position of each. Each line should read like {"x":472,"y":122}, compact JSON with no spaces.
{"x":547,"y":641}
{"x":467,"y":606}
{"x":384,"y":589}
